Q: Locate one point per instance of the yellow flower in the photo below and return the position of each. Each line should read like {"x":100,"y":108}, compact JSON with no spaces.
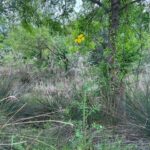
{"x":83,"y":38}
{"x":80,"y":38}
{"x":79,"y":41}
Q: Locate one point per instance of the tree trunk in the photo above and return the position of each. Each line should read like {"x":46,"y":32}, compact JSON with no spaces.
{"x":116,"y":97}
{"x":114,"y":25}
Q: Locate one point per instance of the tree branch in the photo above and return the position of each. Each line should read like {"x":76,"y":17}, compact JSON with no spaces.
{"x":100,"y":4}
{"x":130,"y":3}
{"x":97,"y":2}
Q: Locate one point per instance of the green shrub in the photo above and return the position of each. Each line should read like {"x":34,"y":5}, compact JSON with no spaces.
{"x":138,"y":105}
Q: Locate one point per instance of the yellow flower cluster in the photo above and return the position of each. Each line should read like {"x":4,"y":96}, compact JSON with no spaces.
{"x":80,"y":39}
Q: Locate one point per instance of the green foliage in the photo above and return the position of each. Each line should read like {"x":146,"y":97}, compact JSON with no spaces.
{"x":91,"y":26}
{"x":40,"y":34}
{"x":39,"y":45}
{"x":31,"y":44}
{"x":132,"y":39}
{"x":128,"y":51}
{"x":5,"y":85}
{"x":39,"y":12}
{"x":138,"y":106}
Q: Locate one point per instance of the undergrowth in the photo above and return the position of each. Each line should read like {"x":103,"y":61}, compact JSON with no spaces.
{"x":64,"y":113}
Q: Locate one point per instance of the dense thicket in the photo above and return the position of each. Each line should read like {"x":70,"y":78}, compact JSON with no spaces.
{"x":60,"y":61}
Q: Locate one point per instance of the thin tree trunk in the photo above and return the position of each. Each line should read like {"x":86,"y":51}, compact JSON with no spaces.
{"x":114,"y":27}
